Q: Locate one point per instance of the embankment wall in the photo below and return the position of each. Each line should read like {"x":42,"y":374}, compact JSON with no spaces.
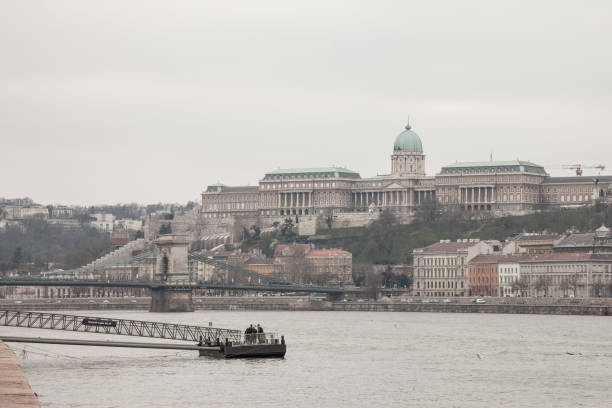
{"x":15,"y":390}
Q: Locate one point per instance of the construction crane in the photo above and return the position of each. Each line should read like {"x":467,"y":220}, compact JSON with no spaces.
{"x":578,"y":167}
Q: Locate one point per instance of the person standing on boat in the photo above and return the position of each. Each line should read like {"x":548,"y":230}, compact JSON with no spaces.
{"x":250,"y":334}
{"x":260,"y":334}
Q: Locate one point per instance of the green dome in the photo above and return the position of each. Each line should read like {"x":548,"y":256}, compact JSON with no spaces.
{"x":409,"y":141}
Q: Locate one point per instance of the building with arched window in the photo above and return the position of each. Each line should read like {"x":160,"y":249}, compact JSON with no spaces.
{"x":493,"y":187}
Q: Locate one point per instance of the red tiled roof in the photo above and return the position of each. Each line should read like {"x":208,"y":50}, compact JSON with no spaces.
{"x":258,"y":260}
{"x":323,"y":252}
{"x":299,"y":248}
{"x":486,"y":259}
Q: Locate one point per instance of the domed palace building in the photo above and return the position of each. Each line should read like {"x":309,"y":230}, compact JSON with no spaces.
{"x":492,"y":188}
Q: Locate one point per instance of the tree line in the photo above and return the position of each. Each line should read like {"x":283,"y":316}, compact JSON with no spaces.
{"x":36,"y":245}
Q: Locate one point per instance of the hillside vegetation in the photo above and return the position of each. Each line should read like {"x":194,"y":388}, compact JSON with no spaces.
{"x":36,"y":246}
{"x":387,"y":242}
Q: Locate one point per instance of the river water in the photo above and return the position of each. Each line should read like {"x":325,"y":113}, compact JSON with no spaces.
{"x":341,"y":359}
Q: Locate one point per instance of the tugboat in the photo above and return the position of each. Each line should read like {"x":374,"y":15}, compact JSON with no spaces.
{"x":254,"y":346}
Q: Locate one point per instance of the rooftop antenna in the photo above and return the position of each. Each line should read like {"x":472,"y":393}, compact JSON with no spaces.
{"x":491,"y":157}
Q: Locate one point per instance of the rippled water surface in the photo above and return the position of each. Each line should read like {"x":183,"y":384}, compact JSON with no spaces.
{"x":341,"y":359}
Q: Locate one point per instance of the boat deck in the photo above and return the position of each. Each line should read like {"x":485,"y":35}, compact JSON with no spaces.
{"x":246,"y":351}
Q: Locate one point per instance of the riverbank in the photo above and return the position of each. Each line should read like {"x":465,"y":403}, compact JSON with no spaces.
{"x":548,"y":306}
{"x":587,"y":310}
{"x":15,"y":390}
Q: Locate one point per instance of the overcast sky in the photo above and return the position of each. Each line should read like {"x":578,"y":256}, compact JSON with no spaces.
{"x":148,"y":101}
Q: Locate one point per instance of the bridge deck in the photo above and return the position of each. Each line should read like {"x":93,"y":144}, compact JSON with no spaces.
{"x":123,"y":327}
{"x":269,"y":287}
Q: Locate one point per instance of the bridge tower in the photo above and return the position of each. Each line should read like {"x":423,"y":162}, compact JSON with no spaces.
{"x":172,"y":270}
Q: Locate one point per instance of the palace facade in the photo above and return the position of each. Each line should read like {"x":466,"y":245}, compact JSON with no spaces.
{"x":496,"y":187}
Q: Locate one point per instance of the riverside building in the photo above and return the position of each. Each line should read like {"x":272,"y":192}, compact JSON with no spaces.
{"x":441,"y":269}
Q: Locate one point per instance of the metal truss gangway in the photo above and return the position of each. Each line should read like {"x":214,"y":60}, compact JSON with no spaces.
{"x":124,"y":327}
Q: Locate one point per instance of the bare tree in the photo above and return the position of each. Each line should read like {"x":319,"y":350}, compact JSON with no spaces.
{"x":598,"y":288}
{"x":565,"y":286}
{"x":521,"y":286}
{"x":574,"y":282}
{"x":326,"y":218}
{"x":359,"y":273}
{"x":542,"y":284}
{"x":295,"y":267}
{"x":372,"y":284}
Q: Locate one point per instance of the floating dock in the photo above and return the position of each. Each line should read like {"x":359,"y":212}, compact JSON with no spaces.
{"x":212,"y":342}
{"x":230,"y":350}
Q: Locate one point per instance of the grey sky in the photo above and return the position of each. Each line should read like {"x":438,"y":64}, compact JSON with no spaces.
{"x":120,"y":101}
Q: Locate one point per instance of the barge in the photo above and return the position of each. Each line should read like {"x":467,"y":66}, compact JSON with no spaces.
{"x":270,"y":348}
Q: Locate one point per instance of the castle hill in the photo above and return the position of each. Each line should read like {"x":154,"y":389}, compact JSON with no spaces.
{"x":330,"y":237}
{"x":305,"y":204}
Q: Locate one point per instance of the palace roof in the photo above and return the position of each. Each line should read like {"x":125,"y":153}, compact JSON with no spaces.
{"x":314,"y":172}
{"x":221,"y":188}
{"x":494,"y":166}
{"x":576,"y":179}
